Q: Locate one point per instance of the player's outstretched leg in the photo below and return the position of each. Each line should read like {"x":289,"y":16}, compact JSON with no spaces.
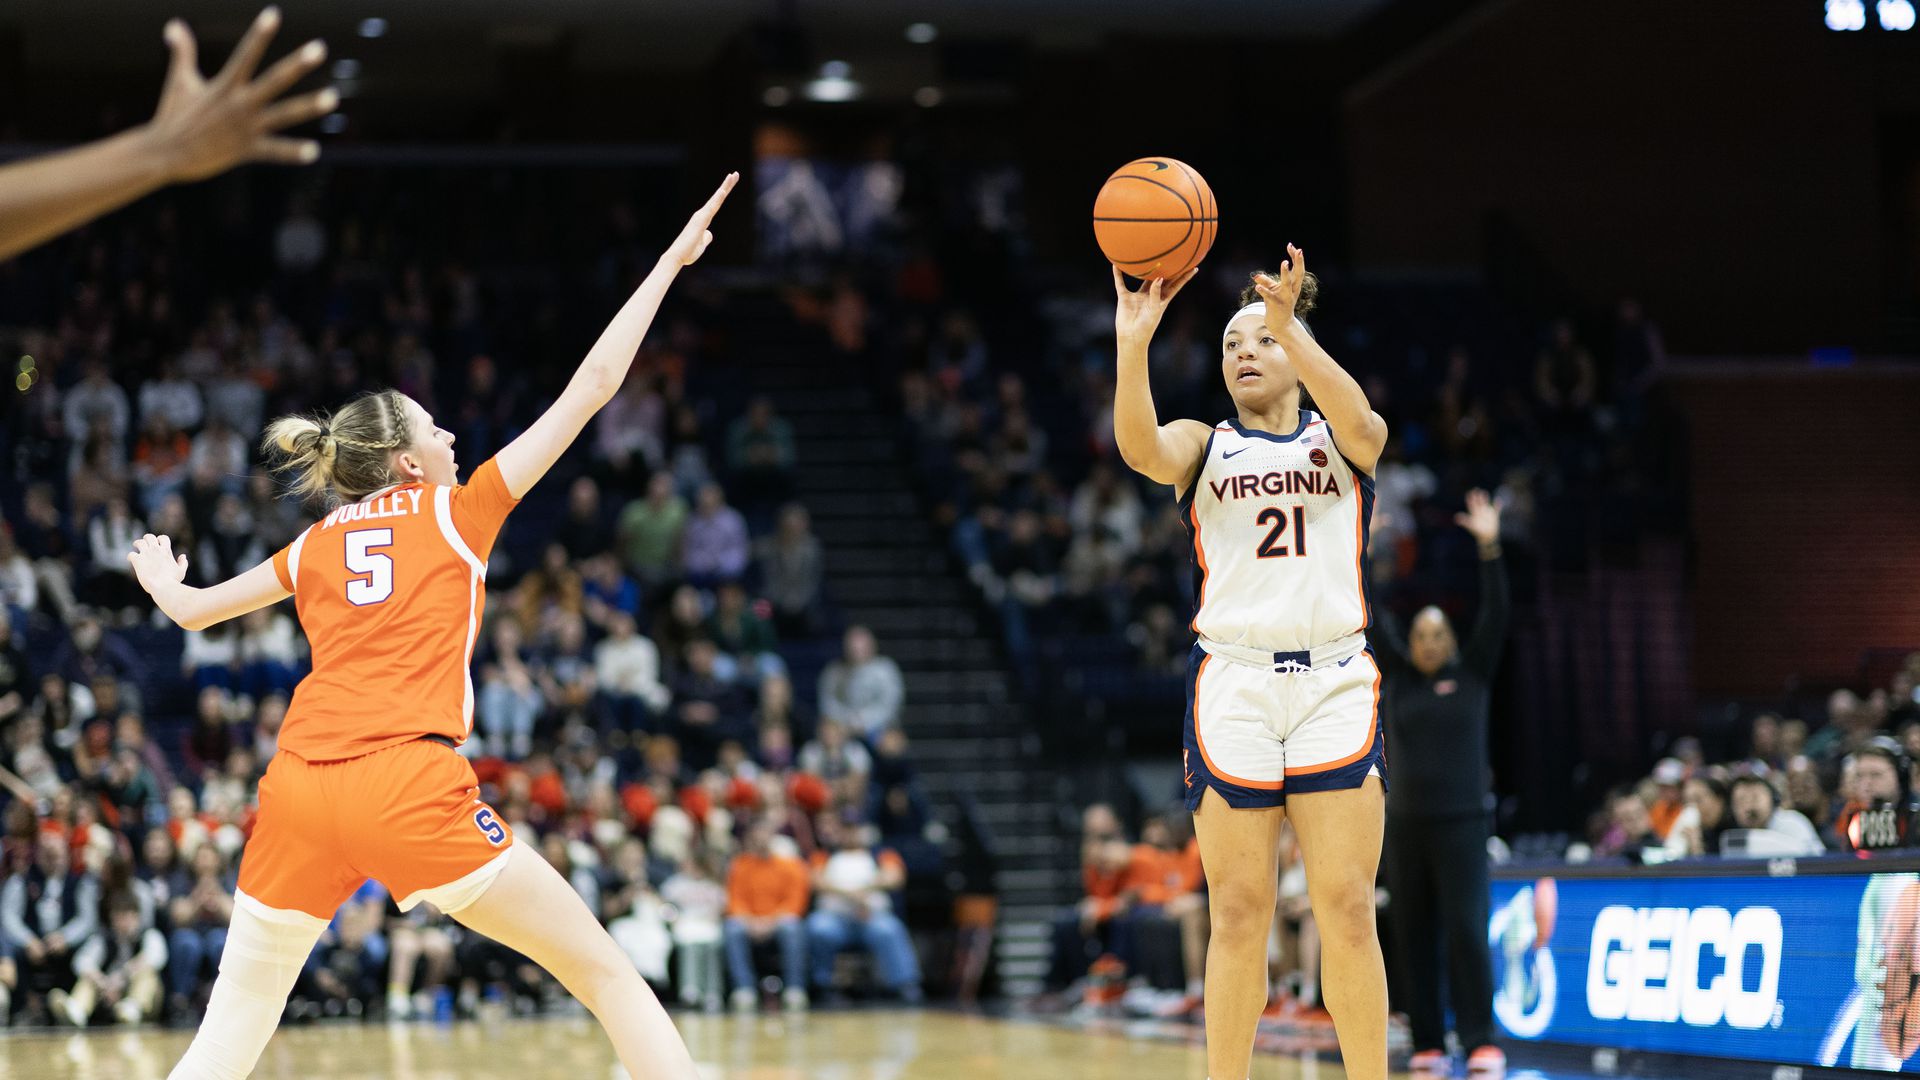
{"x":531,"y":909}
{"x":266,"y":948}
{"x":1340,"y":833}
{"x":1240,"y":850}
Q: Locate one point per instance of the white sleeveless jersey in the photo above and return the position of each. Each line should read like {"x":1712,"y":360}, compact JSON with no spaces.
{"x":1279,"y":527}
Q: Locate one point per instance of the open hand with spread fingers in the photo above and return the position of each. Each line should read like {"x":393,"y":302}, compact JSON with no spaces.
{"x":204,"y":126}
{"x":1482,"y":517}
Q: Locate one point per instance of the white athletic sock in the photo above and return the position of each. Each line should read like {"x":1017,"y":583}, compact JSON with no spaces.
{"x":1196,"y":987}
{"x":266,"y":947}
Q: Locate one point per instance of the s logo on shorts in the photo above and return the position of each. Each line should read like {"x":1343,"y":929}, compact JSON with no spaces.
{"x":490,"y":827}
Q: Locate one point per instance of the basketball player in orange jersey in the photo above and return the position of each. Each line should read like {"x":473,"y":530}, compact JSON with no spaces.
{"x":366,"y":784}
{"x":1283,"y":695}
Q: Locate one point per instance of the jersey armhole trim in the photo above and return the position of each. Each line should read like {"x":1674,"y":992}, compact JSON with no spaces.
{"x":443,"y":513}
{"x":1359,"y":474}
{"x":1185,"y":500}
{"x":293,"y":559}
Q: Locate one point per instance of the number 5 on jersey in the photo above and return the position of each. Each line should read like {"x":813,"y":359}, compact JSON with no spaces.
{"x":375,"y":583}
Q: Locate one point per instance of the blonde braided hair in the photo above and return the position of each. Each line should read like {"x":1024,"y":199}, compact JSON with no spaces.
{"x":341,"y":457}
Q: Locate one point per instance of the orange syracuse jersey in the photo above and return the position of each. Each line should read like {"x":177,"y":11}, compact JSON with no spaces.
{"x":389,"y":591}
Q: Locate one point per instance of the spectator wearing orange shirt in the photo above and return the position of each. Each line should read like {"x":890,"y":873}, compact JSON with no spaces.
{"x":1163,"y":881}
{"x":160,"y":461}
{"x":1089,"y":928}
{"x":766,"y":900}
{"x":1664,"y":808}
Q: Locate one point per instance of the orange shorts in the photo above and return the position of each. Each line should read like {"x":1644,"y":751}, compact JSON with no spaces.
{"x":409,"y":816}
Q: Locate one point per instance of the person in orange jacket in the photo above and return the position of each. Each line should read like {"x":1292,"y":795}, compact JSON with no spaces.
{"x":1164,"y":881}
{"x":767,"y":896}
{"x":1105,"y":858}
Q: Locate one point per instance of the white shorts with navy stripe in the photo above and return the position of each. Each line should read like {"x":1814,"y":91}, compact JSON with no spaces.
{"x":1256,"y":734}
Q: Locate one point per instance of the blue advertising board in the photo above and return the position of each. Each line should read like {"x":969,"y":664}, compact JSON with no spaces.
{"x":1815,"y":969}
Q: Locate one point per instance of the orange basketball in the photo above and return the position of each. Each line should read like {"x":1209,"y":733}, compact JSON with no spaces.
{"x":1155,"y":217}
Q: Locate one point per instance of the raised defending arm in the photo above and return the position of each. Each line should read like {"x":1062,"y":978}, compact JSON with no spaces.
{"x":1481,"y":653}
{"x":526,"y":459}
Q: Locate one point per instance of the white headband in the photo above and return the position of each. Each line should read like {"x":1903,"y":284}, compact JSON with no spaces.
{"x":1259,"y":306}
{"x":1250,"y":309}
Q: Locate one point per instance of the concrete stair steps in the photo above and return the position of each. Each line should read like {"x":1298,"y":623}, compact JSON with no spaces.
{"x":1026,"y":921}
{"x":1016,"y":847}
{"x":911,"y":620}
{"x":981,"y":748}
{"x":810,"y":478}
{"x":913,"y":654}
{"x":870,"y":450}
{"x":918,"y":589}
{"x":835,"y":422}
{"x":888,"y":567}
{"x":1023,"y":948}
{"x":882,"y":508}
{"x":856,"y":559}
{"x":988,"y":684}
{"x":976,"y":783}
{"x":1036,"y":878}
{"x":906,"y":533}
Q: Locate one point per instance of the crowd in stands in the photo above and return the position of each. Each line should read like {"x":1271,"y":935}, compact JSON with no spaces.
{"x":1089,"y":564}
{"x":1136,"y":940}
{"x":734,"y":813}
{"x":1794,"y":789}
{"x":1007,"y":421}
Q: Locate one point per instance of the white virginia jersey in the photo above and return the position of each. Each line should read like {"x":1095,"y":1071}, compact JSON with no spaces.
{"x":1279,"y":525}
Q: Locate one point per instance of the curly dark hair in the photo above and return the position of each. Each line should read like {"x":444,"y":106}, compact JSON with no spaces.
{"x":1309,"y":292}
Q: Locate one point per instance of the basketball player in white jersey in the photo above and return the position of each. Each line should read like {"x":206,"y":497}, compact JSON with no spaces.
{"x":1283,"y":693}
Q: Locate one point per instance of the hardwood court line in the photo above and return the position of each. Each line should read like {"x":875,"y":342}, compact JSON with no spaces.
{"x":868,"y":1045}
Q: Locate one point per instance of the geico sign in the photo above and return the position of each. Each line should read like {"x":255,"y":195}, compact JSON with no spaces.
{"x":1646,"y":964}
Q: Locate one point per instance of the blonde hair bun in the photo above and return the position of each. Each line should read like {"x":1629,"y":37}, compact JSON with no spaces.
{"x":343,"y":456}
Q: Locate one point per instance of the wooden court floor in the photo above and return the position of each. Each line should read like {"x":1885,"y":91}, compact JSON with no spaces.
{"x":820,"y":1046}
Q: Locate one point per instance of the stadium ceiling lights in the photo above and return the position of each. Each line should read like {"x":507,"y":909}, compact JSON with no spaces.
{"x":373,"y":28}
{"x":346,"y":68}
{"x":922,"y":33}
{"x":1847,"y":15}
{"x":834,"y":84}
{"x":827,"y":88}
{"x":775,"y":96}
{"x":927,"y":97}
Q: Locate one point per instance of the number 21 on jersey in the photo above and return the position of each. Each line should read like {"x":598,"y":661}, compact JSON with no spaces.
{"x":1271,"y":547}
{"x":374,"y":567}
